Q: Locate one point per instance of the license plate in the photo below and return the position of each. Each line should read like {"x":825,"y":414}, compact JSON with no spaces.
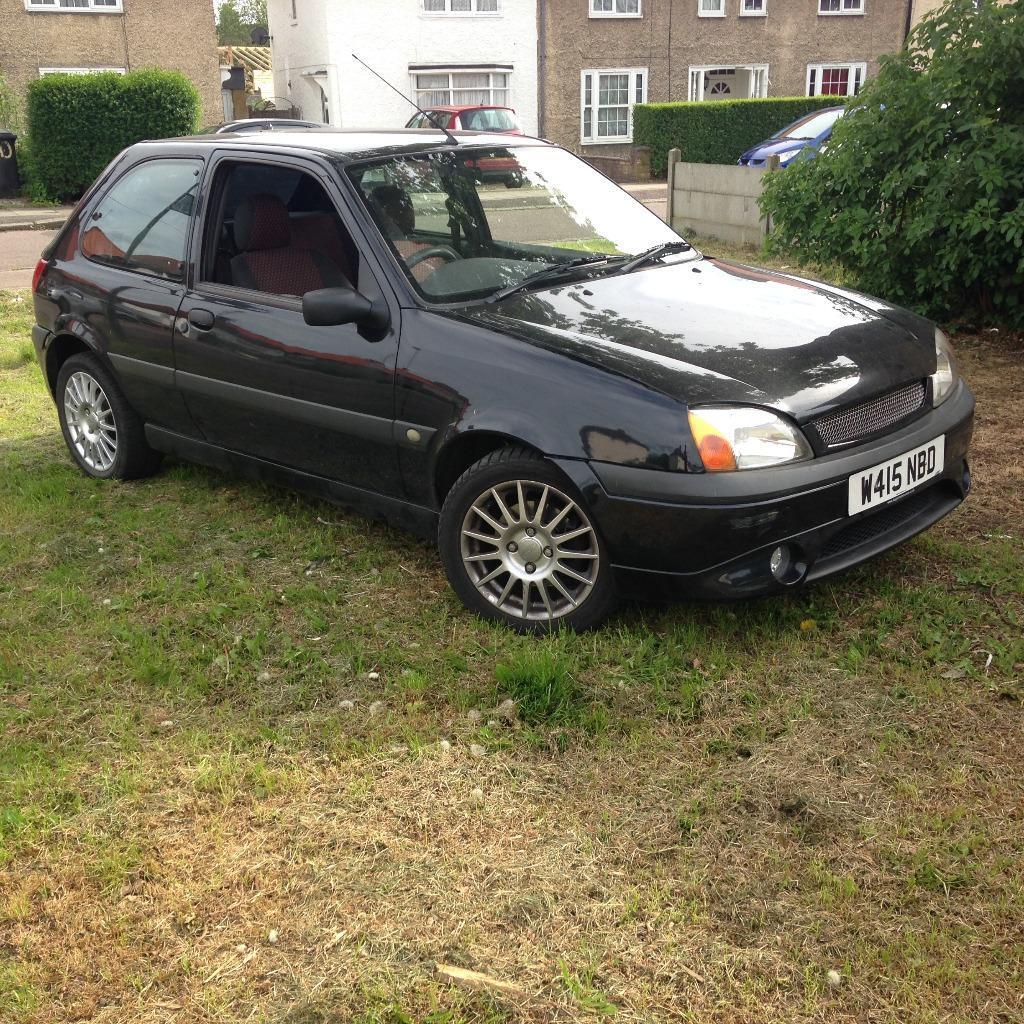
{"x":888,"y":480}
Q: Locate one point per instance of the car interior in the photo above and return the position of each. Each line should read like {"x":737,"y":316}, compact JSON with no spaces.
{"x":276,"y":231}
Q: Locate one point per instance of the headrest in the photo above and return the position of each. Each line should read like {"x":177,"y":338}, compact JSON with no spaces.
{"x":261,"y":222}
{"x":396,"y":206}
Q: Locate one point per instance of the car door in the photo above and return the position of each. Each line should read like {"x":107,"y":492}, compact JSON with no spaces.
{"x":127,"y":279}
{"x":255,"y":376}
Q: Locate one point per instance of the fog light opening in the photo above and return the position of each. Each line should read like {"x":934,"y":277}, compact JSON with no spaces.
{"x":786,"y":565}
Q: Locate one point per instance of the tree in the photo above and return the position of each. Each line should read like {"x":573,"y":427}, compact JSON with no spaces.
{"x":237,"y":18}
{"x":920,"y":194}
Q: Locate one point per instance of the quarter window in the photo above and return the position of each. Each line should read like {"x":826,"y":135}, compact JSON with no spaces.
{"x":835,"y":79}
{"x":607,"y":99}
{"x":142,"y":223}
{"x":711,"y":8}
{"x":438,"y":88}
{"x":615,"y":9}
{"x":840,"y":6}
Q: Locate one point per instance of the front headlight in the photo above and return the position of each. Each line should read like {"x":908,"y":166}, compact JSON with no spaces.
{"x":788,"y":154}
{"x":946,"y":374}
{"x":744,"y":437}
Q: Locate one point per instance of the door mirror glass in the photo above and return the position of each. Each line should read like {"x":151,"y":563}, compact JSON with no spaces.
{"x":332,"y":307}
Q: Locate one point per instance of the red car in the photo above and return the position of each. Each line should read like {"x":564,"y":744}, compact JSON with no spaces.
{"x":471,"y":119}
{"x":497,"y":120}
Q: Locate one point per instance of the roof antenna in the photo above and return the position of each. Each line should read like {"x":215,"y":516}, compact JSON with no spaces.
{"x":452,"y":141}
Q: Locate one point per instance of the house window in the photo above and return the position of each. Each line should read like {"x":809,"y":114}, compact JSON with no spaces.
{"x":606,"y":103}
{"x":74,"y":6}
{"x":752,"y":8}
{"x":729,"y":83}
{"x":615,"y":9}
{"x":835,"y":79}
{"x":711,"y":8}
{"x":840,"y":6}
{"x":460,"y":6}
{"x":462,"y":88}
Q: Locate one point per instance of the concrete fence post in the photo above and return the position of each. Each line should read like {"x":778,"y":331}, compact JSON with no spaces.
{"x":766,"y":221}
{"x":674,"y":156}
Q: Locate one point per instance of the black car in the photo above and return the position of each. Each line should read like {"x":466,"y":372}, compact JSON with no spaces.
{"x":259,"y":124}
{"x":573,"y":401}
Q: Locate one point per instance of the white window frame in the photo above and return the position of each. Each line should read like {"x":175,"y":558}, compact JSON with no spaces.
{"x":852,"y":66}
{"x":449,"y":13}
{"x":701,"y":13}
{"x":490,"y":71}
{"x":760,"y":70}
{"x":842,"y":12}
{"x":602,"y":140}
{"x":613,"y":13}
{"x":77,"y":71}
{"x":53,"y":7}
{"x":763,"y":13}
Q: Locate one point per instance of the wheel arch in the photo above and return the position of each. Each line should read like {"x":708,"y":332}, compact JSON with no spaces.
{"x":60,"y":349}
{"x":460,"y":451}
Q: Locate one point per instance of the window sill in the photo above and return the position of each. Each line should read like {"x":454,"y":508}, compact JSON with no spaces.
{"x":434,"y":15}
{"x":624,"y":140}
{"x":605,"y":15}
{"x":840,"y":14}
{"x":711,"y":14}
{"x":753,"y":14}
{"x":74,"y":10}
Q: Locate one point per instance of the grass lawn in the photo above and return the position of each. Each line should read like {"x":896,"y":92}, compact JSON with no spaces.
{"x":254,"y":767}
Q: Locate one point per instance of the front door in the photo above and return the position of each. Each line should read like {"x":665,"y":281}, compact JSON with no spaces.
{"x":259,"y":380}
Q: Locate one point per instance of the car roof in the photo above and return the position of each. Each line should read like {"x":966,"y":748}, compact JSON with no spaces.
{"x":449,"y":108}
{"x":349,"y":145}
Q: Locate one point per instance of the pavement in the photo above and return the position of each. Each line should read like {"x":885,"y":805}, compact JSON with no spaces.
{"x":26,"y":228}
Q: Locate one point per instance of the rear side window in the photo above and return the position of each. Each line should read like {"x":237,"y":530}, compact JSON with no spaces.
{"x":142,"y":223}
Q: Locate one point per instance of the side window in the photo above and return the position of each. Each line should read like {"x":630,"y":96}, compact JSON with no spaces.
{"x":273,"y":228}
{"x":142,"y":223}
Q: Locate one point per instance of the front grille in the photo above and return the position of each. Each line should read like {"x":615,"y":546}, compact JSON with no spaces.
{"x":869,"y":529}
{"x":870,"y":417}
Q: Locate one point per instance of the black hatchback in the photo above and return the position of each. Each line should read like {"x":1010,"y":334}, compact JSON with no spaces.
{"x":549,"y":381}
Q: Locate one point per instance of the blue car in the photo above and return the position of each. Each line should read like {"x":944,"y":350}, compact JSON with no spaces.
{"x":804,"y":137}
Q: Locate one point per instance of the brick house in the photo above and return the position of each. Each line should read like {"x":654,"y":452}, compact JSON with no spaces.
{"x":599,"y":57}
{"x":38,"y":37}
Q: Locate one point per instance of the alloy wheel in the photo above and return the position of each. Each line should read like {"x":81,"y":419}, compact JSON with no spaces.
{"x":90,"y":421}
{"x":530,"y":550}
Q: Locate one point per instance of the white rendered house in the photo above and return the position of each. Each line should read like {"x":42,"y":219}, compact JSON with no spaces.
{"x":461,"y":52}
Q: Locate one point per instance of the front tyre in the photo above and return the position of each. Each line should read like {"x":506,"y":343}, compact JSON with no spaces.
{"x":103,"y":433}
{"x":519,"y":547}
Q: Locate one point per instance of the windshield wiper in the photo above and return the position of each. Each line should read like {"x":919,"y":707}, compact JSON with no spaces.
{"x":547,"y":274}
{"x":654,"y":253}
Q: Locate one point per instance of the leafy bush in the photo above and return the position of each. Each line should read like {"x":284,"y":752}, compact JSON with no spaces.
{"x":78,"y":123}
{"x":716,"y":132}
{"x":921,"y":192}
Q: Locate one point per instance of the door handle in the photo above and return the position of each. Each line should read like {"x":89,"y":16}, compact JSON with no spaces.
{"x":201,"y":319}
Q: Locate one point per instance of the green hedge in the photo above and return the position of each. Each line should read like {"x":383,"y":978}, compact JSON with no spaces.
{"x":716,"y":131}
{"x":78,"y":123}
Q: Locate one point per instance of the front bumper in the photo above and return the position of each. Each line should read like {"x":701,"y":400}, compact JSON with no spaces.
{"x":711,"y":535}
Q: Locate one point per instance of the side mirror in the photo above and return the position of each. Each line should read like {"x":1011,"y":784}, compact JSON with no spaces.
{"x":331,"y":307}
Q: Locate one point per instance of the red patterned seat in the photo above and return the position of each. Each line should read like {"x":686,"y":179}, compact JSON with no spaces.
{"x":398,"y":217}
{"x":269,"y":260}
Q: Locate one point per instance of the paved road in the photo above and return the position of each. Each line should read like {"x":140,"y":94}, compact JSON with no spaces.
{"x":19,"y":251}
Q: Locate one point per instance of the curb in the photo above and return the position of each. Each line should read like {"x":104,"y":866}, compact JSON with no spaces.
{"x":52,"y":223}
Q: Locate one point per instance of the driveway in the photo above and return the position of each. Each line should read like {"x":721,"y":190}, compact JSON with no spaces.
{"x":19,"y":251}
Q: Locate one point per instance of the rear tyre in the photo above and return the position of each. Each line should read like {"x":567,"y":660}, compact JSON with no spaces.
{"x":519,"y":547}
{"x":102,"y":431}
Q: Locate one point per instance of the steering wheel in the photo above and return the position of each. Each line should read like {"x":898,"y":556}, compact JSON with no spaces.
{"x":446,"y":252}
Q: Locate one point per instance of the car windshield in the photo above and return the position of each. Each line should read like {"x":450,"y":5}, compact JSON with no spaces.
{"x":488,"y":120}
{"x":811,"y":127}
{"x":469,"y":223}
